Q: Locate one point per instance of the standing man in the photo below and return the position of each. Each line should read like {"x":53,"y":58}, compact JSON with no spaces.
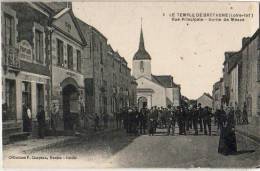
{"x":142,"y":120}
{"x":26,"y":121}
{"x":195,"y":119}
{"x":188,"y":118}
{"x":200,"y":113}
{"x":222,"y":118}
{"x":245,"y":117}
{"x":178,"y":115}
{"x":183,"y":120}
{"x":118,"y":121}
{"x":207,"y":121}
{"x":41,"y":121}
{"x":29,"y":113}
{"x":151,"y":121}
{"x":174,"y":120}
{"x":238,"y":116}
{"x":54,"y":118}
{"x":170,"y":121}
{"x":96,"y":120}
{"x":134,"y":121}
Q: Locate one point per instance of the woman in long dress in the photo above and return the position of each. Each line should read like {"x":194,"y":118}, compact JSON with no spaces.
{"x":227,"y":140}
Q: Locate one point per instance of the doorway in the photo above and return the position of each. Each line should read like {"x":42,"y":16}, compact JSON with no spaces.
{"x":70,"y":106}
{"x":39,"y":96}
{"x":142,"y":102}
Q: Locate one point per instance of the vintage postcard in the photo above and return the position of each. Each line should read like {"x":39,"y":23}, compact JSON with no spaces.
{"x":130,"y":84}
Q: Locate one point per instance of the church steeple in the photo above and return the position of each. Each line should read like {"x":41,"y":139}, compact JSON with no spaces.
{"x":141,"y":52}
{"x":141,"y":40}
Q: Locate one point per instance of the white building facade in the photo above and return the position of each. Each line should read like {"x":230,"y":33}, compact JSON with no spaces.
{"x":152,"y":90}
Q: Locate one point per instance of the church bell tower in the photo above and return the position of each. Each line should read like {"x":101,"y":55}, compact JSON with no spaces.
{"x":142,"y":60}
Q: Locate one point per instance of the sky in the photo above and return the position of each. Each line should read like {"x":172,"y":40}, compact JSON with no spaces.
{"x":192,"y":52}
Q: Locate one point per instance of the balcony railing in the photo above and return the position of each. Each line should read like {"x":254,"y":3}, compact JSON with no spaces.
{"x":11,"y":57}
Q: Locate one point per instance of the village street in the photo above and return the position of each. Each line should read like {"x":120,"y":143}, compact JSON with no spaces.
{"x":118,"y":150}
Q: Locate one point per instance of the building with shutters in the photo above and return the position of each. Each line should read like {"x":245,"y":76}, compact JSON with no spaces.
{"x":25,"y":67}
{"x":241,"y":76}
{"x":67,"y":52}
{"x":107,"y":76}
{"x":52,"y":59}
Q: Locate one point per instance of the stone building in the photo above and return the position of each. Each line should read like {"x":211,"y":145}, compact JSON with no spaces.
{"x":67,"y":52}
{"x":133,"y":92}
{"x":152,"y":90}
{"x":25,"y":66}
{"x":249,"y":73}
{"x":217,"y":93}
{"x":205,"y":100}
{"x":52,"y":59}
{"x":241,"y":75}
{"x":120,"y":81}
{"x":107,"y":77}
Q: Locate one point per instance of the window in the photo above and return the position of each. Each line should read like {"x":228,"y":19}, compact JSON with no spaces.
{"x":100,"y":103}
{"x":258,"y":104}
{"x":94,"y":44}
{"x":40,"y":95}
{"x":258,"y":70}
{"x":114,"y":78}
{"x":216,"y":97}
{"x":102,"y":75}
{"x":70,"y":56}
{"x":101,"y":52}
{"x":105,"y":104}
{"x":9,"y":107}
{"x":26,"y":95}
{"x":78,"y":60}
{"x":112,"y":105}
{"x":39,"y":46}
{"x":142,"y":66}
{"x":60,"y":52}
{"x":9,"y":30}
{"x":113,"y":63}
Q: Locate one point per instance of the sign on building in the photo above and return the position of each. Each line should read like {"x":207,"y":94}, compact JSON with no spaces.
{"x":25,"y":50}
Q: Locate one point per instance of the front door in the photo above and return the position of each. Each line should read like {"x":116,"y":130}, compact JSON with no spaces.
{"x":142,"y":102}
{"x":39,"y":95}
{"x":70,"y":108}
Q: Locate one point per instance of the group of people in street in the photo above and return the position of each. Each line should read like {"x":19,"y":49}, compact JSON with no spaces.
{"x":146,"y":121}
{"x":196,"y":118}
{"x":188,"y":120}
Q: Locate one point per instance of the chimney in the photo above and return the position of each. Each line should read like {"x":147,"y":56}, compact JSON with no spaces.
{"x":245,"y":40}
{"x":227,"y":55}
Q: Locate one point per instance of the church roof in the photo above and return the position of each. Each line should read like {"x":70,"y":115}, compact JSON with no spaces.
{"x":141,"y":52}
{"x":164,"y":80}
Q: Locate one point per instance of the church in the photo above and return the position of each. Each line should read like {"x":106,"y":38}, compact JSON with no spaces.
{"x":152,"y":90}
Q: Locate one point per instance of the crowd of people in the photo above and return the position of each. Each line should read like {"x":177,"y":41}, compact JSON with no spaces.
{"x":188,"y":120}
{"x":146,"y":121}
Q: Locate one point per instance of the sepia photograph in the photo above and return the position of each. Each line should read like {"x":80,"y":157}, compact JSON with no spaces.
{"x":130,"y":84}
